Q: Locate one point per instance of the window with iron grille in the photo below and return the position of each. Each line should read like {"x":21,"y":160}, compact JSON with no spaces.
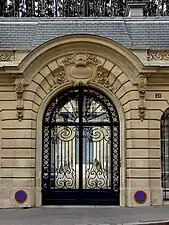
{"x":165,"y":154}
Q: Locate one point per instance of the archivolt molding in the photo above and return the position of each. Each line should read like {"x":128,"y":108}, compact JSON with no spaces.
{"x":101,"y":46}
{"x":83,"y":68}
{"x":79,"y":68}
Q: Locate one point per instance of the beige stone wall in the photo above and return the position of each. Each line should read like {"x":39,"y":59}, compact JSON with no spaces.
{"x":21,"y":141}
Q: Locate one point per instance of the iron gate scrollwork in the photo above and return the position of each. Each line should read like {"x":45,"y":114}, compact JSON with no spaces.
{"x":80,"y":163}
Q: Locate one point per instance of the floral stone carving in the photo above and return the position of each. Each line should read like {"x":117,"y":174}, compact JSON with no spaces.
{"x":142,"y":82}
{"x":19,"y":89}
{"x":59,"y":76}
{"x":80,"y":67}
{"x":102,"y":77}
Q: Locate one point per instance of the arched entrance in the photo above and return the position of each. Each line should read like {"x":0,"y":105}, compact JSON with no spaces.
{"x":80,"y":160}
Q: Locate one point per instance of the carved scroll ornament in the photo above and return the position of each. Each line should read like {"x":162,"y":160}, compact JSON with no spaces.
{"x":81,"y":59}
{"x":7,"y":56}
{"x":76,"y":68}
{"x":158,"y":55}
{"x":59,"y":76}
{"x":82,"y":68}
{"x":102,"y":77}
{"x":142,"y":82}
{"x":19,"y":89}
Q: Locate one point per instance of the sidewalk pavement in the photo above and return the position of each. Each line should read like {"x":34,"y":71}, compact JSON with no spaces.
{"x":85,"y":215}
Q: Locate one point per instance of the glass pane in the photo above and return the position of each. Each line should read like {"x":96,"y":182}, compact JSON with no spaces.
{"x":97,"y":157}
{"x":68,"y":112}
{"x":165,"y":154}
{"x":64,"y":173}
{"x":94,"y":111}
{"x":67,"y":109}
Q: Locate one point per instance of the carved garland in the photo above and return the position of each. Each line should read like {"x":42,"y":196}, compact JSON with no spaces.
{"x":59,"y":77}
{"x":82,"y":60}
{"x":142,"y":82}
{"x":102,"y":77}
{"x":19,"y":89}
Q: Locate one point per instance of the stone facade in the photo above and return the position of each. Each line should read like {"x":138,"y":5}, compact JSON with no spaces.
{"x":136,"y":83}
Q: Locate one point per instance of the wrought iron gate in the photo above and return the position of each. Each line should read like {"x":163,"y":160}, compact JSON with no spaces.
{"x":80,"y":163}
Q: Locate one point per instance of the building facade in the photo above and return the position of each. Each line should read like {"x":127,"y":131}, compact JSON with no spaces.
{"x":83,"y":117}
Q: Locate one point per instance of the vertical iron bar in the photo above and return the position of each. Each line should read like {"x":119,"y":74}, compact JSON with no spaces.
{"x":55,"y":149}
{"x":118,"y":158}
{"x":100,"y":150}
{"x":84,"y":8}
{"x":167,"y":156}
{"x":81,"y":93}
{"x":49,"y":166}
{"x":55,"y":8}
{"x":33,"y":8}
{"x":58,"y":150}
{"x":61,"y":158}
{"x":14,"y":8}
{"x":107,"y":160}
{"x":164,"y":157}
{"x":84,"y":155}
{"x":162,"y":154}
{"x":111,"y":156}
{"x":75,"y":157}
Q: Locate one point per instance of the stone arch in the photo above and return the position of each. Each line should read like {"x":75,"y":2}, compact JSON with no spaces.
{"x":110,"y":76}
{"x":111,"y":50}
{"x":40,"y":115}
{"x":43,"y":91}
{"x":110,"y":68}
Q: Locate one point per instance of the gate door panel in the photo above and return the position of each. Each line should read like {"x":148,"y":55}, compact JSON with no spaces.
{"x":80,"y":163}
